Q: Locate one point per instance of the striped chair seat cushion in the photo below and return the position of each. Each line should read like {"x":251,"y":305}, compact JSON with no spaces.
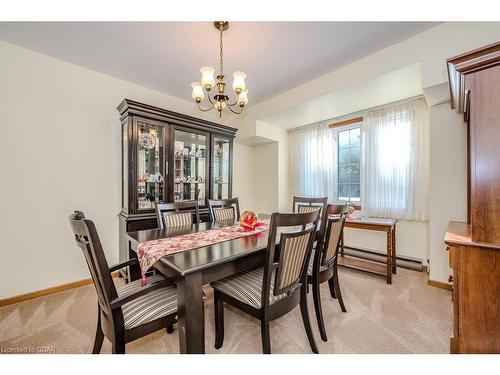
{"x":224,"y":214}
{"x":247,"y":287}
{"x":310,"y":267}
{"x":304,"y":209}
{"x":151,"y":306}
{"x":177,"y":219}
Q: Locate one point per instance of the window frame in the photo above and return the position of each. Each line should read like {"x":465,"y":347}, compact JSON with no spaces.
{"x":337,"y":130}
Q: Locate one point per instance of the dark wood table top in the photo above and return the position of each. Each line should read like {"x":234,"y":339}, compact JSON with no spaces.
{"x":201,"y":258}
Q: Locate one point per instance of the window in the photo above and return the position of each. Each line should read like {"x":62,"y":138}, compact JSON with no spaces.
{"x":326,"y":162}
{"x":348,"y":164}
{"x":392,"y":142}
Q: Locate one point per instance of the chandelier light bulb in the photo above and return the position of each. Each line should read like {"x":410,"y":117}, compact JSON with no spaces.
{"x":197,"y":93}
{"x":243,"y":98}
{"x":219,"y":106}
{"x":207,"y":77}
{"x":239,"y":81}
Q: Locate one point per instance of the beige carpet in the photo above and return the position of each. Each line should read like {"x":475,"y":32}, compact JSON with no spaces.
{"x":406,"y":317}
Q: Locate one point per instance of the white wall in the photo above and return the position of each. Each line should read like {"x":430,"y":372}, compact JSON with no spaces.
{"x":60,"y":151}
{"x":412,"y":239}
{"x":244,"y":176}
{"x":279,"y":136}
{"x":448,"y":182}
{"x":266,"y":178}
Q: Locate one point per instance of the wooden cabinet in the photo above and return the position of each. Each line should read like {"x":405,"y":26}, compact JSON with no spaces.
{"x":169,"y":157}
{"x":474,"y":247}
{"x":476,"y":292}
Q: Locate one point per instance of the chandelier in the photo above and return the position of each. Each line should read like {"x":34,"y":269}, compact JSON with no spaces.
{"x":220,"y":100}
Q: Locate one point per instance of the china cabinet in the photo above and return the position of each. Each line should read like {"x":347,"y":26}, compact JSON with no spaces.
{"x":169,"y":157}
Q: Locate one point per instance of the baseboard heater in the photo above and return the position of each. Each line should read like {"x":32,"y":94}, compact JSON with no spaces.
{"x":380,"y":257}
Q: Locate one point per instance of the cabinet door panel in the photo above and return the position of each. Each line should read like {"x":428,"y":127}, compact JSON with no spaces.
{"x":221,"y":167}
{"x":150,"y":160}
{"x":190,"y":166}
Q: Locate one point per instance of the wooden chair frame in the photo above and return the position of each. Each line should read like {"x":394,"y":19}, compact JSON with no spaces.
{"x":320,"y":202}
{"x":110,"y":322}
{"x":327,"y":269}
{"x":223,"y":203}
{"x":297,"y":293}
{"x":186,"y":206}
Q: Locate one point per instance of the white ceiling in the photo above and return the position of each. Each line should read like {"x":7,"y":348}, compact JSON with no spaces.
{"x":399,"y":84}
{"x":167,"y":56}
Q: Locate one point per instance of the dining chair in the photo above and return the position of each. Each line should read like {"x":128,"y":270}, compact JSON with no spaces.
{"x":177,"y":214}
{"x":224,"y":209}
{"x":270,"y":292}
{"x":128,"y":312}
{"x":303,"y":204}
{"x":337,"y":209}
{"x":323,"y":265}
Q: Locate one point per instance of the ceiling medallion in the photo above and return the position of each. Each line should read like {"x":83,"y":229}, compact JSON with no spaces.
{"x":220,"y":100}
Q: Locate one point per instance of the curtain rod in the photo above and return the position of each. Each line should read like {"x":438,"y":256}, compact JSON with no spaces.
{"x":357,"y":113}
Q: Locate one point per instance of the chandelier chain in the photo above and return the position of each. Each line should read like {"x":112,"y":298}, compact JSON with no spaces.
{"x":221,"y":54}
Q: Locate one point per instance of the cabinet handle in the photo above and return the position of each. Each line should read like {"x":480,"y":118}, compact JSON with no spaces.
{"x":450,"y":279}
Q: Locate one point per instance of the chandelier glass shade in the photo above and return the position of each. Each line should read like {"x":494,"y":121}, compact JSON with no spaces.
{"x":219,"y":100}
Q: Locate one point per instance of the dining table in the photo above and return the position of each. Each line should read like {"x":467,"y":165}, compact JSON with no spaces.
{"x":193,"y":269}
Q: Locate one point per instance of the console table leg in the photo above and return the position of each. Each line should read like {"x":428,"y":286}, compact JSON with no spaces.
{"x":389,"y":257}
{"x":394,"y":249}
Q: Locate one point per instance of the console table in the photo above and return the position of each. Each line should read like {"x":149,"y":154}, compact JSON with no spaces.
{"x":376,"y":224}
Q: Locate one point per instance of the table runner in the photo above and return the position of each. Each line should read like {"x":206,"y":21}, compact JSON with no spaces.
{"x":149,"y":252}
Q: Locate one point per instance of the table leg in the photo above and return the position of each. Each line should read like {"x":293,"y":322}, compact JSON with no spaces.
{"x":191,"y":315}
{"x":389,"y":257}
{"x":134,"y":271}
{"x":394,"y":249}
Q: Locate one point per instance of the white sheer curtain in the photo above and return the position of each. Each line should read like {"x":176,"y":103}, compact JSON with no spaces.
{"x":313,"y":161}
{"x":395,"y":161}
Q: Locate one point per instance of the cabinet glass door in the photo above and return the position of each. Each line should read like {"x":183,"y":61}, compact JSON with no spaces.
{"x":150,"y":165}
{"x":190,"y":152}
{"x":220,"y":171}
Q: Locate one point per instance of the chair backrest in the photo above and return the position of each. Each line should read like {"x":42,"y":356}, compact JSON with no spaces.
{"x":177,"y":214}
{"x":330,"y":233}
{"x":87,"y":239}
{"x":224,"y":209}
{"x":330,"y":247}
{"x":303,"y":204}
{"x":294,"y":252}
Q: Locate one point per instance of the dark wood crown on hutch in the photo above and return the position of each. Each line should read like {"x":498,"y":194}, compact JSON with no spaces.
{"x":133,"y":218}
{"x":130,"y":108}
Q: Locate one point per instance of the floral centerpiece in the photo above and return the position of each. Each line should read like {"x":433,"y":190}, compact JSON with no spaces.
{"x":249,"y":221}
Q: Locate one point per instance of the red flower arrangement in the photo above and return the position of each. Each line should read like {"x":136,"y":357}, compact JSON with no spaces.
{"x":249,"y":221}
